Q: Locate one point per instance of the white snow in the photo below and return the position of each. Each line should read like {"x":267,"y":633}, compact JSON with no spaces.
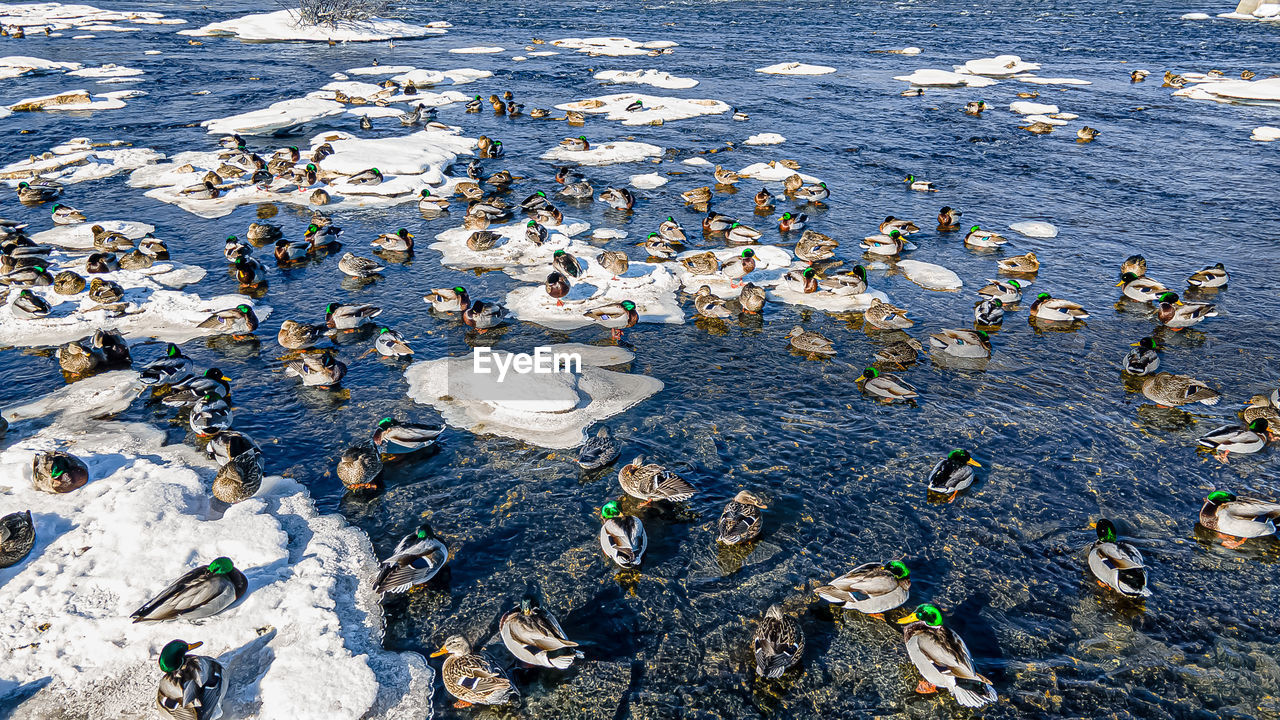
{"x":1044,"y":119}
{"x":605,"y":153}
{"x":284,"y":26}
{"x":1034,"y":228}
{"x":1022,"y":107}
{"x":69,"y":101}
{"x":906,"y":51}
{"x":480,"y":50}
{"x":1265,"y":133}
{"x":928,"y":77}
{"x":1247,"y":92}
{"x":796,"y":68}
{"x":514,"y":253}
{"x":79,"y":160}
{"x":278,"y":117}
{"x":423,"y":152}
{"x":380,"y":70}
{"x":80,"y":235}
{"x":696,"y":162}
{"x":58,"y":16}
{"x":110,"y":70}
{"x":655,"y":108}
{"x":613,"y":46}
{"x":146,"y":517}
{"x":458,"y":76}
{"x":19,"y":65}
{"x":826,"y":300}
{"x":656,"y":78}
{"x":648,"y":181}
{"x":550,"y":410}
{"x":774,"y":171}
{"x":765,"y":139}
{"x":998,"y":66}
{"x":930,"y":276}
{"x":1195,"y":16}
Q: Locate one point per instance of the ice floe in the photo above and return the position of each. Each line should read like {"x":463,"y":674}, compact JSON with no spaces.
{"x":613,"y":46}
{"x":80,"y":235}
{"x":514,"y":253}
{"x":796,"y":68}
{"x":648,"y":181}
{"x":1194,"y":16}
{"x":930,"y":276}
{"x":1022,"y":107}
{"x":774,"y":171}
{"x":69,"y":101}
{"x":1034,"y":228}
{"x":696,"y":162}
{"x":1037,"y":80}
{"x":929,"y":77}
{"x":656,"y":78}
{"x":109,"y":70}
{"x":279,"y":117}
{"x":1265,"y":133}
{"x":79,"y":160}
{"x":998,"y":66}
{"x":19,"y":65}
{"x":765,"y":139}
{"x":654,"y":110}
{"x":285,"y":26}
{"x":458,"y":76}
{"x":1244,"y":92}
{"x":608,"y":153}
{"x":57,"y":16}
{"x":310,"y":603}
{"x":479,"y":50}
{"x":551,"y":410}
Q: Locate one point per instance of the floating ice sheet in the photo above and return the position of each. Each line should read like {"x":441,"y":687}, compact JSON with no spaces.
{"x":656,"y":78}
{"x":604,"y":153}
{"x":1034,"y":228}
{"x":69,"y":101}
{"x":654,"y":108}
{"x":613,"y":46}
{"x":278,"y":117}
{"x":930,"y":276}
{"x":998,"y":66}
{"x":765,"y":139}
{"x":928,"y":77}
{"x":796,"y":68}
{"x":284,"y":26}
{"x":648,"y":181}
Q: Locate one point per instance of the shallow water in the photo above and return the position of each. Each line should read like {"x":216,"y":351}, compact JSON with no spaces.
{"x":1063,"y":439}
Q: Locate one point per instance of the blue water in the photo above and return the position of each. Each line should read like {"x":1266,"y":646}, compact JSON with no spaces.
{"x":1063,"y":437}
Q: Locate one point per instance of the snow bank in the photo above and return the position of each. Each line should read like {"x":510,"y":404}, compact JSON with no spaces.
{"x":310,"y":607}
{"x":655,"y":78}
{"x":1265,"y":133}
{"x":277,"y":118}
{"x":796,"y":68}
{"x":613,"y":46}
{"x":765,"y":139}
{"x":930,"y":276}
{"x":998,"y":66}
{"x":1034,"y":228}
{"x":18,"y":65}
{"x":57,"y":16}
{"x":656,"y":108}
{"x":649,"y":181}
{"x":549,"y":410}
{"x":604,"y":154}
{"x":69,"y":101}
{"x":928,"y":77}
{"x":283,"y":26}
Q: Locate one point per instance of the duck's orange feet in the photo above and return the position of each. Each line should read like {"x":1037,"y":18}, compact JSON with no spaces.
{"x":462,"y":704}
{"x":925,"y":687}
{"x":1231,"y":543}
{"x":878,"y":616}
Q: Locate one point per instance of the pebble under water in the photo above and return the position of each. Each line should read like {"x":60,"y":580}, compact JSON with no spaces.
{"x":1063,"y":437}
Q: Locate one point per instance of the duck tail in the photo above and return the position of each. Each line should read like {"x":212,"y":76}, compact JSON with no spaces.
{"x":974,"y":693}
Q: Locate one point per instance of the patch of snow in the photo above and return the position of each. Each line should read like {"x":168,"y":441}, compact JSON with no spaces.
{"x":605,"y":153}
{"x":907,"y":51}
{"x":110,"y":70}
{"x":284,"y":26}
{"x":655,"y":108}
{"x":648,"y":181}
{"x":68,"y":101}
{"x":57,"y":16}
{"x":1034,"y":228}
{"x":279,"y":117}
{"x":1195,"y":16}
{"x":19,"y":65}
{"x":765,"y":139}
{"x":1265,"y":133}
{"x":774,"y":171}
{"x":543,"y":53}
{"x":1246,"y":92}
{"x":613,"y":46}
{"x":480,"y":50}
{"x":80,"y":160}
{"x":1042,"y":118}
{"x":80,"y":235}
{"x":460,"y":76}
{"x":796,"y":68}
{"x":998,"y":66}
{"x":928,"y":77}
{"x":696,"y":162}
{"x":518,"y":58}
{"x":1022,"y":107}
{"x":826,"y":300}
{"x":930,"y":276}
{"x":655,"y":78}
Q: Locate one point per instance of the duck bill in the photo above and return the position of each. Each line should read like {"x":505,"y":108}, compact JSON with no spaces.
{"x":438,"y":653}
{"x":1135,"y":344}
{"x":1119,"y":283}
{"x":975,"y":463}
{"x":194,"y":645}
{"x":909,"y":619}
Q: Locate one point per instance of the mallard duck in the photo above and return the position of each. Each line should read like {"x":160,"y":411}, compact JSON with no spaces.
{"x":204,"y":191}
{"x":1173,"y":80}
{"x":703,"y":263}
{"x":1007,"y":292}
{"x":974,"y":107}
{"x":567,"y":264}
{"x":99,"y":263}
{"x":77,"y":359}
{"x":418,"y":557}
{"x":1169,"y":390}
{"x":853,"y":282}
{"x":210,"y":414}
{"x":977,"y":237}
{"x":737,"y":267}
{"x":884,"y":245}
{"x":1247,"y":74}
{"x":952,"y":474}
{"x":1116,"y":564}
{"x":883,"y":316}
{"x":1086,"y":134}
{"x":68,"y":283}
{"x":1047,"y":307}
{"x":814,"y":247}
{"x":297,"y":336}
{"x":949,"y":218}
{"x":249,"y":272}
{"x":187,"y":392}
{"x":618,"y":198}
{"x":58,"y":472}
{"x":291,"y":251}
{"x":961,"y":343}
{"x":710,"y":306}
{"x":536,"y":200}
{"x":716,"y":222}
{"x":234,"y":248}
{"x":891,"y":223}
{"x":27,"y":305}
{"x":1135,"y":264}
{"x":549,"y":215}
{"x":474,"y":678}
{"x":535,"y":233}
{"x":778,"y":643}
{"x":741,"y":520}
{"x":360,"y":466}
{"x":358,"y":267}
{"x":598,"y":451}
{"x":725,"y":177}
{"x":453,"y":299}
{"x":809,"y":342}
{"x":739,"y":234}
{"x":110,"y":345}
{"x":615,"y":316}
{"x":349,"y":317}
{"x":672,"y":231}
{"x":568,"y":175}
{"x":401,"y":438}
{"x":1238,"y":439}
{"x":581,"y":190}
{"x":483,"y":240}
{"x":1177,"y":315}
{"x":1039,"y":127}
{"x":283,"y":160}
{"x":739,"y":116}
{"x":557,"y":286}
{"x":1263,"y":407}
{"x":483,"y":315}
{"x":322,"y":237}
{"x":622,"y":537}
{"x":751,"y":298}
{"x":871,"y":588}
{"x":1239,"y":518}
{"x":1138,"y":76}
{"x":790,"y":222}
{"x":943,"y":659}
{"x":658,"y":247}
{"x":1142,"y":361}
{"x":920,"y":185}
{"x":538,"y":113}
{"x":653,"y":482}
{"x":227,"y":445}
{"x":66,"y":215}
{"x":193,"y":685}
{"x":764,"y":200}
{"x":390,"y":343}
{"x":199,"y":593}
{"x":614,"y":261}
{"x":900,"y":353}
{"x":17,"y":537}
{"x":319,"y":370}
{"x":105,"y":240}
{"x":400,"y":241}
{"x":886,"y":388}
{"x":430,"y":204}
{"x":697,"y":196}
{"x":1020,"y":264}
{"x":372,"y":176}
{"x":802,"y":281}
{"x":172,"y":367}
{"x":30,"y":276}
{"x":239,"y":320}
{"x":812,"y":193}
{"x":1210,"y":277}
{"x":136,"y":260}
{"x":912,"y":92}
{"x":1142,"y":289}
{"x":534,"y":636}
{"x":988,"y":312}
{"x":38,"y":192}
{"x":500,"y":179}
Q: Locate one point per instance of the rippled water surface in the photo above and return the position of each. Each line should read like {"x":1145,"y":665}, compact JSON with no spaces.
{"x":1063,"y":439}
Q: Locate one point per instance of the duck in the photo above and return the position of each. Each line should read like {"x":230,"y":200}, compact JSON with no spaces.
{"x":725,"y":177}
{"x":58,"y":472}
{"x":764,"y":200}
{"x":710,"y":306}
{"x":1177,"y":315}
{"x":988,"y":312}
{"x":920,"y":185}
{"x":1117,"y":564}
{"x":658,"y":247}
{"x":870,"y":588}
{"x":483,"y":240}
{"x":136,"y":260}
{"x":38,"y":192}
{"x":557,"y":286}
{"x":249,"y":272}
{"x":1247,"y":74}
{"x":17,"y":537}
{"x":1238,"y":439}
{"x":790,"y":222}
{"x":853,"y":282}
{"x":322,"y":238}
{"x":500,"y":179}
{"x":912,"y":92}
{"x":417,"y":558}
{"x":974,"y":107}
{"x":1026,"y":264}
{"x":900,"y":353}
{"x":1142,"y":289}
{"x":739,"y":234}
{"x":1142,"y":361}
{"x":200,"y":593}
{"x":1238,"y":518}
{"x":538,"y":113}
{"x":27,"y":305}
{"x":952,"y":473}
{"x":99,"y":263}
{"x":815,"y":193}
{"x":358,"y":267}
{"x":105,"y":240}
{"x":891,"y":223}
{"x":283,"y":160}
{"x":239,"y":320}
{"x":598,"y":451}
{"x":1168,"y":390}
{"x":474,"y":678}
{"x":961,"y":343}
{"x":738,"y":267}
{"x":294,"y":335}
{"x":1039,"y":127}
{"x":187,"y":392}
{"x":1262,"y":406}
{"x":1138,"y":76}
{"x":534,"y":637}
{"x":653,"y":482}
{"x":883,"y":316}
{"x":473,"y":105}
{"x":567,"y":264}
{"x":884,"y":245}
{"x":815,"y":247}
{"x":622,"y":537}
{"x":1214,"y":276}
{"x":401,"y":438}
{"x":977,"y":237}
{"x":751,"y":298}
{"x":1086,"y":134}
{"x":615,"y":316}
{"x":614,"y":261}
{"x":453,"y":299}
{"x":193,"y":686}
{"x":716,"y":222}
{"x":943,"y":659}
{"x":76,"y":359}
{"x":233,"y":248}
{"x":741,"y":520}
{"x":227,"y":445}
{"x":390,"y":343}
{"x":360,"y":466}
{"x":671,"y":231}
{"x":170,"y":368}
{"x":778,"y":643}
{"x":68,"y":283}
{"x":576,"y":144}
{"x":110,"y":345}
{"x":66,"y":215}
{"x":204,"y":191}
{"x":210,"y":414}
{"x":886,"y":388}
{"x":1047,"y":307}
{"x":469,"y":190}
{"x":319,"y":370}
{"x":1007,"y":292}
{"x":483,"y":315}
{"x":1135,"y":264}
{"x":809,"y":342}
{"x":949,"y":218}
{"x":400,"y":241}
{"x":291,"y":251}
{"x":30,"y":276}
{"x":431,"y":204}
{"x":262,"y":233}
{"x":549,"y":215}
{"x":534,"y":201}
{"x":581,"y":190}
{"x":372,"y":176}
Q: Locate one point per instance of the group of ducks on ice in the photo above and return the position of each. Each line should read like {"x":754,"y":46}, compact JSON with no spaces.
{"x":192,"y":686}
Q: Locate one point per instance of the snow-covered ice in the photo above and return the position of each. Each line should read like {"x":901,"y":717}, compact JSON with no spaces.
{"x":998,"y":66}
{"x":605,"y":153}
{"x":69,"y":101}
{"x":656,"y":78}
{"x":457,"y":76}
{"x":284,"y":26}
{"x":1265,"y":133}
{"x":1245,"y":92}
{"x":58,"y":16}
{"x":928,"y":77}
{"x":110,"y":70}
{"x":278,"y":117}
{"x":80,"y":160}
{"x":655,"y":108}
{"x":19,"y":65}
{"x":796,"y":68}
{"x":478,"y":50}
{"x":1037,"y":80}
{"x":696,"y":162}
{"x":648,"y":181}
{"x":1023,"y":107}
{"x":613,"y":46}
{"x":774,"y":171}
{"x":765,"y":139}
{"x":1195,"y":16}
{"x":930,"y":276}
{"x":1034,"y":228}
